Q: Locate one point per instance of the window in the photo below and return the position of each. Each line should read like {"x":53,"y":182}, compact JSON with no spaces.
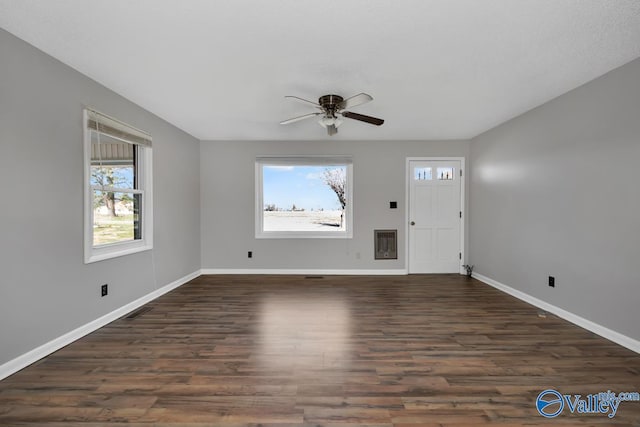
{"x":118,"y":211}
{"x":304,"y":197}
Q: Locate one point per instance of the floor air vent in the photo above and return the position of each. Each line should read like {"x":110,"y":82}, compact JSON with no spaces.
{"x":386,"y":244}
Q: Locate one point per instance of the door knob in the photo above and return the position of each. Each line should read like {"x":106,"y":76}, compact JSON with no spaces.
{"x":413,"y":223}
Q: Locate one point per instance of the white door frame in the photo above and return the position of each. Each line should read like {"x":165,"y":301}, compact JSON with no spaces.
{"x":462,"y":206}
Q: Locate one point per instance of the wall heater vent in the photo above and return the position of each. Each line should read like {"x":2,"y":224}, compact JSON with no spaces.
{"x":386,"y":244}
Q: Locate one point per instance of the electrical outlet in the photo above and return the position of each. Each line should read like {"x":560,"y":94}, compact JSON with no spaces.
{"x":552,"y":281}
{"x":249,"y":254}
{"x":104,"y":290}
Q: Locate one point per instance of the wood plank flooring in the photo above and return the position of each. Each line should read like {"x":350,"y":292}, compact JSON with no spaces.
{"x":335,"y":351}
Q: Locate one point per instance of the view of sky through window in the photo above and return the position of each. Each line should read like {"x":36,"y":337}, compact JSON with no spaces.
{"x":302,"y":186}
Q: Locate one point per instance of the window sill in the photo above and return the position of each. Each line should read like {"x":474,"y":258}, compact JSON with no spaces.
{"x":303,"y":235}
{"x":115,"y":251}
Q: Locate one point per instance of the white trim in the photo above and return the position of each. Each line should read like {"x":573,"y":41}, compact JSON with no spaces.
{"x":116,"y":250}
{"x":259,"y":192}
{"x":462,"y":205}
{"x":320,"y":272}
{"x":20,"y":362}
{"x":116,"y":189}
{"x":306,"y":160}
{"x":618,"y":338}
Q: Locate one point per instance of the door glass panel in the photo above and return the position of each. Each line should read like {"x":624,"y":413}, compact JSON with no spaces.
{"x":422,"y":174}
{"x":445,"y":174}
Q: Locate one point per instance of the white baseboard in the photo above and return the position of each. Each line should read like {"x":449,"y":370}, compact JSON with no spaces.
{"x":611,"y":335}
{"x":307,"y":272}
{"x":38,"y":353}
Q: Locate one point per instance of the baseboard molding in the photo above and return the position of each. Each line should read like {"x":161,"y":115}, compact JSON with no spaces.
{"x":611,"y":335}
{"x":38,"y":353}
{"x":302,"y":271}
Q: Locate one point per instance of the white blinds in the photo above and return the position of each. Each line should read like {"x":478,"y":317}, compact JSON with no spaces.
{"x":116,"y":129}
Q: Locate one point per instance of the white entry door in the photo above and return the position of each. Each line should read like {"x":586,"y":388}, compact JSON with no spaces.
{"x":434,"y":216}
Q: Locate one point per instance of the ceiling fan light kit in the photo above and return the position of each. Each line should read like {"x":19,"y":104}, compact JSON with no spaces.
{"x":332,"y":108}
{"x":329,"y":121}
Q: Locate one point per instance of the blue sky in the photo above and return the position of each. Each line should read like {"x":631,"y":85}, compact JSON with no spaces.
{"x":299,"y":185}
{"x":123,"y":176}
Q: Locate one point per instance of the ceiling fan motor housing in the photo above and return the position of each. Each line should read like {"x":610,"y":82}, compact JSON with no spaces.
{"x":330,"y":103}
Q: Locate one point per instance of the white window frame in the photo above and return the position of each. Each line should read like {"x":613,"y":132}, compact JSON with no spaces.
{"x":145,"y":188}
{"x":262,"y":161}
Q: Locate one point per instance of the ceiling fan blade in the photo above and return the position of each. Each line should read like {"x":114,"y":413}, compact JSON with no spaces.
{"x":362,"y":118}
{"x":359,"y":99}
{"x":315,"y":104}
{"x":295,"y":119}
{"x":332,"y":130}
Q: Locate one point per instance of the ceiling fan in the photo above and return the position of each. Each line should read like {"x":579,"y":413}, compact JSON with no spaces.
{"x":331,"y":109}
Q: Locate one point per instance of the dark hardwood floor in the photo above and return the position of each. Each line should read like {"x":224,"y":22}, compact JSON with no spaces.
{"x":333,"y":351}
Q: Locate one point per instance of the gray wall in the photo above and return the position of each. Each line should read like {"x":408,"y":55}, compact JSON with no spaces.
{"x":45,"y":289}
{"x":227,"y":197}
{"x":555,"y":192}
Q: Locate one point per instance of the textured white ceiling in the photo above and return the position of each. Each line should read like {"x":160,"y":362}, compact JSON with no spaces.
{"x":437,"y":69}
